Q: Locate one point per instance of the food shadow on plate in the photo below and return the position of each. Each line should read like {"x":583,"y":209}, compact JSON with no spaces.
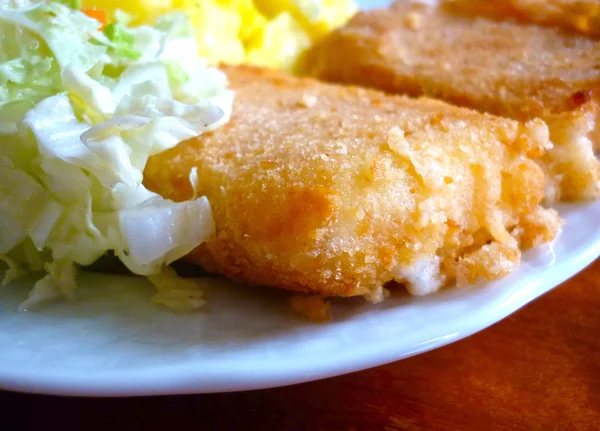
{"x":117,"y":309}
{"x":115,"y":313}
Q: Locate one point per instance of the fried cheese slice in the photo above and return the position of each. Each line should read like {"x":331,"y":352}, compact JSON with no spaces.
{"x":337,"y":191}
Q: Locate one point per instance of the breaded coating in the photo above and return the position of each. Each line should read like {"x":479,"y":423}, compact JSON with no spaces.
{"x":336,"y":190}
{"x":579,"y":16}
{"x":506,"y":68}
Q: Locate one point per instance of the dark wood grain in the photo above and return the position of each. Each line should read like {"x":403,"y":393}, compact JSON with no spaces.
{"x":536,"y":370}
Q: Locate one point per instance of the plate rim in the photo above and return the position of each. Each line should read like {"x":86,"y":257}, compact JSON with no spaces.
{"x":190,"y":379}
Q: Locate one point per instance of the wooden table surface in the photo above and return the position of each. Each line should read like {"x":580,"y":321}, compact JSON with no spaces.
{"x":536,"y":370}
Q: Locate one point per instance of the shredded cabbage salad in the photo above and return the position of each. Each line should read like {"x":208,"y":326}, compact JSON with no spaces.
{"x":82,"y":108}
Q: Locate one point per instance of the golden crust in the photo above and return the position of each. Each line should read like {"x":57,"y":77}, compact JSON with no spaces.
{"x":579,"y":16}
{"x":502,"y":67}
{"x":505,"y":68}
{"x":350,"y":191}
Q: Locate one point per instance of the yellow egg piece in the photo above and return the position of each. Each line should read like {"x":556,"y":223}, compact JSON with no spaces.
{"x":269,"y":33}
{"x":317,"y":17}
{"x":217,"y":28}
{"x":252,"y":20}
{"x":279,"y":44}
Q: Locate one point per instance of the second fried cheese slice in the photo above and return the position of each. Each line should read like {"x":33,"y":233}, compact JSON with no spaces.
{"x":578,"y":16}
{"x":336,"y":190}
{"x":515,"y":69}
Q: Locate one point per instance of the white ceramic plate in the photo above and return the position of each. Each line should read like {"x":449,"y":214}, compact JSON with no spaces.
{"x":115,"y":342}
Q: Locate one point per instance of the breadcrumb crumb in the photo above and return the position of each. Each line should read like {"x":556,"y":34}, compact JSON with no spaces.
{"x":313,"y":307}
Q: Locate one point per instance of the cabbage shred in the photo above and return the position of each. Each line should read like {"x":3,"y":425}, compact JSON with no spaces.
{"x":81,"y":111}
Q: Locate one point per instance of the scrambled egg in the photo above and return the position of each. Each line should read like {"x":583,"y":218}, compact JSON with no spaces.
{"x":269,"y":33}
